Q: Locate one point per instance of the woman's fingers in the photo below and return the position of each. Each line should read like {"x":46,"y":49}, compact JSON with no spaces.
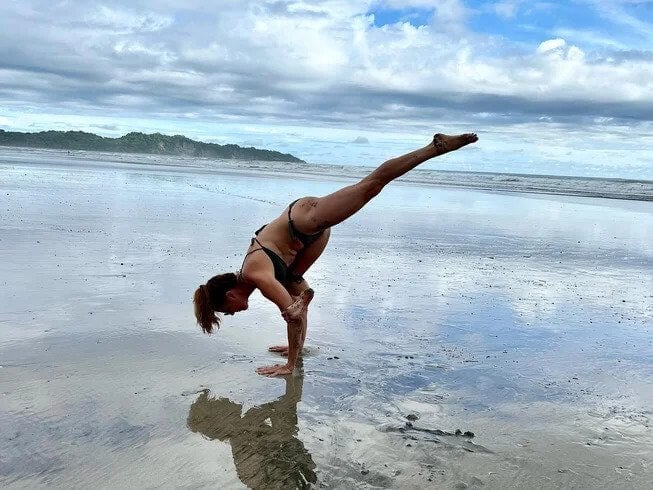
{"x":267,"y":369}
{"x":276,"y":370}
{"x":278,"y":348}
{"x":282,"y":371}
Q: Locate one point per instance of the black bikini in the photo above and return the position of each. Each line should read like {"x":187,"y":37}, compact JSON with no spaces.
{"x":305,"y":238}
{"x":280,"y":267}
{"x":281,"y":272}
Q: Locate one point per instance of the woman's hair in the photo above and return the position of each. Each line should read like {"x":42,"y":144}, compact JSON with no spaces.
{"x":210,"y":297}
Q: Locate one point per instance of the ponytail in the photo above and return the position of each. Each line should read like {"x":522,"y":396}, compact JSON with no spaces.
{"x":209,"y":297}
{"x":204,"y":313}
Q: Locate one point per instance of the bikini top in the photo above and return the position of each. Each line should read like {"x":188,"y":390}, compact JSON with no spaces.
{"x":281,"y":272}
{"x":280,"y":267}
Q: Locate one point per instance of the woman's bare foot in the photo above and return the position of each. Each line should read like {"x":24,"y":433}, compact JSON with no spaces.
{"x":444,"y":143}
{"x":281,"y":349}
{"x":295,"y":310}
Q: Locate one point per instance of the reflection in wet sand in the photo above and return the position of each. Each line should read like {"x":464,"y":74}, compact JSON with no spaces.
{"x":266,"y":451}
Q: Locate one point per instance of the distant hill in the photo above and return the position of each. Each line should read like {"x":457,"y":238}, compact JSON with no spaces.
{"x":158,"y":144}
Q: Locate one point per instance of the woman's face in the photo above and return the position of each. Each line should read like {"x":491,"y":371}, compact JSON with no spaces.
{"x":234,"y":303}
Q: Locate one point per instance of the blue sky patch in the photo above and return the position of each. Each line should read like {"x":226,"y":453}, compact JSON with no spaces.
{"x":415,"y":16}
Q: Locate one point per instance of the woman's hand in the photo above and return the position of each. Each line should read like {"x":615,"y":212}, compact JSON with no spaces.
{"x":276,"y":370}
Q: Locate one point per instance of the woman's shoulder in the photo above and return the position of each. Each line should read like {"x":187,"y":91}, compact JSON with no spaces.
{"x":255,"y":267}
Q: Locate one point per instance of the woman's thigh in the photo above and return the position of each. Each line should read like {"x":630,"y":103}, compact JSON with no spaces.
{"x":307,"y":256}
{"x":311,"y":214}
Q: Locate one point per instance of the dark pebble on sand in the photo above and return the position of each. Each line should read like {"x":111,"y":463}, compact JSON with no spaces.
{"x":364,"y":472}
{"x":412,"y":417}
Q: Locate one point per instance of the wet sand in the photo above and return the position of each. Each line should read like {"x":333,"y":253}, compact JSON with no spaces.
{"x":457,"y":339}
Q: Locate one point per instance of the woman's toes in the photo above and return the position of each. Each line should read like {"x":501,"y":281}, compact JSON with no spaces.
{"x":307,"y":296}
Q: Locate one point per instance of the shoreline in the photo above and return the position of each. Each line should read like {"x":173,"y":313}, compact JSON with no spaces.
{"x":611,"y":188}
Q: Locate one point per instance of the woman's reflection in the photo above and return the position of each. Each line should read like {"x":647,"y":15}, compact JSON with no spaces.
{"x":266,"y":451}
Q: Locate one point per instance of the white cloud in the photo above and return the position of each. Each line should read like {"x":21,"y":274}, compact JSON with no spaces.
{"x":551,"y":45}
{"x":507,"y":8}
{"x":341,"y":48}
{"x":589,"y":38}
{"x":126,"y":21}
{"x":614,"y":12}
{"x":406,"y":4}
{"x":451,"y":14}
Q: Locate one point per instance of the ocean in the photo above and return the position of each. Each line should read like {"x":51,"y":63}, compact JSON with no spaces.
{"x":609,"y":188}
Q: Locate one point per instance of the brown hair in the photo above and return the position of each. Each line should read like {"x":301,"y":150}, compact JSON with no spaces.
{"x":209,"y":297}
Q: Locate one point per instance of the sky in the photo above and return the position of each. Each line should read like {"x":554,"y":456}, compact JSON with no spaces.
{"x":551,"y":87}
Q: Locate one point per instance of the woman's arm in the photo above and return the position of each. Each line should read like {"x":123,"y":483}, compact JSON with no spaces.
{"x":272,"y":290}
{"x":292,"y":312}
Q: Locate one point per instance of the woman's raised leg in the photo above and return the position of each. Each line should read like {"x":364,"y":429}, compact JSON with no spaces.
{"x":313,"y":214}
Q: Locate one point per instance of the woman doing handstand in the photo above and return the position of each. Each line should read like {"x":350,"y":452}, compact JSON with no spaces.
{"x":284,"y":249}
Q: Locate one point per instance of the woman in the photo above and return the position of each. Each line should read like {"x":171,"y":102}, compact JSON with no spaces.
{"x":284,"y":249}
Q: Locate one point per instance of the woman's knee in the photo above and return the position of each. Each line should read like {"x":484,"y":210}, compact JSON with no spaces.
{"x":296,"y":284}
{"x":371,"y":187}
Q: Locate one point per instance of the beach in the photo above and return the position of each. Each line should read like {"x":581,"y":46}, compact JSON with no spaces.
{"x":458,"y":338}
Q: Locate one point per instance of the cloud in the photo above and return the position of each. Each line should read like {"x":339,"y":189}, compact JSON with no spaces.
{"x":140,"y":59}
{"x":361,"y":140}
{"x":551,"y":45}
{"x":507,"y":8}
{"x":615,"y":12}
{"x":125,"y":21}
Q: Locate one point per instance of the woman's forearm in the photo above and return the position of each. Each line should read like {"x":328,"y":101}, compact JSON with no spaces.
{"x":295,"y":328}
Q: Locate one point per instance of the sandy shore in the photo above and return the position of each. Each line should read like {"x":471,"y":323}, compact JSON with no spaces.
{"x":525,"y":320}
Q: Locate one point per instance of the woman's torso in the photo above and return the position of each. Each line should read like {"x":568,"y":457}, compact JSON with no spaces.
{"x":274,"y":240}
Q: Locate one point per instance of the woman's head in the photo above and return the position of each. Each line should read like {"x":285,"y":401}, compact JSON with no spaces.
{"x":217,"y":296}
